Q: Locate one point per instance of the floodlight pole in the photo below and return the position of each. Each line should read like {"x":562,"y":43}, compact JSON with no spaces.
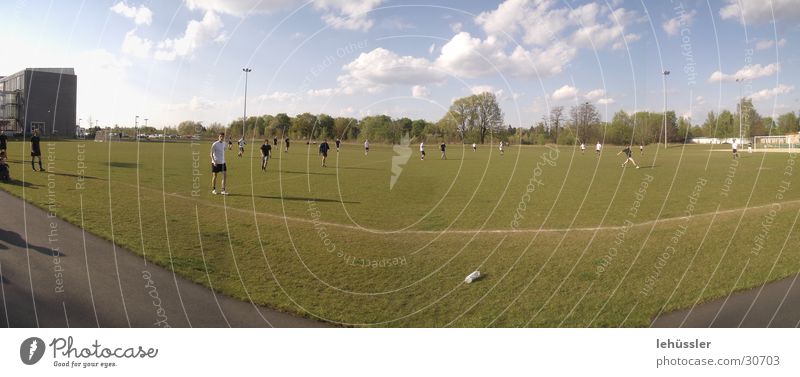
{"x":666,"y":73}
{"x":244,"y":118}
{"x":136,"y":126}
{"x":741,"y":105}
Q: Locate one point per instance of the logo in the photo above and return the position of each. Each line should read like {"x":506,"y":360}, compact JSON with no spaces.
{"x":402,"y":154}
{"x":31,"y":350}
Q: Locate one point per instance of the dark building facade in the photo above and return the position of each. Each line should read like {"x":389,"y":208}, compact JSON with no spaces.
{"x":39,"y":98}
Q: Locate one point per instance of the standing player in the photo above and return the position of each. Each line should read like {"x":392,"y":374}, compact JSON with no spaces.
{"x":422,"y":150}
{"x":628,"y":153}
{"x":641,"y":149}
{"x":286,"y":141}
{"x":36,"y":150}
{"x":338,"y":142}
{"x":230,"y":143}
{"x":275,"y":141}
{"x":735,"y":147}
{"x":474,"y":147}
{"x":241,"y":146}
{"x":502,"y":151}
{"x":218,"y":164}
{"x":598,"y":147}
{"x":266,"y":151}
{"x":749,"y":147}
{"x":323,"y":151}
{"x":583,"y":148}
{"x":3,"y":142}
{"x":443,"y":147}
{"x":366,"y":147}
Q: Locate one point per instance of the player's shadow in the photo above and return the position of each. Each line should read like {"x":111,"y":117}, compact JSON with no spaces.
{"x":301,"y":199}
{"x":14,"y":239}
{"x":72,"y":175}
{"x":355,"y":168}
{"x":304,"y":172}
{"x":127,"y":165}
{"x":24,"y":184}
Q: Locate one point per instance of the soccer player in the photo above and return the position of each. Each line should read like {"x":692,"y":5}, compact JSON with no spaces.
{"x":266,"y":151}
{"x":5,"y":173}
{"x":735,"y":147}
{"x":442,"y":147}
{"x":36,"y":150}
{"x":422,"y":150}
{"x":323,"y":151}
{"x":641,"y":149}
{"x":749,"y":147}
{"x":583,"y":148}
{"x":502,"y":151}
{"x":366,"y":147}
{"x":218,"y":164}
{"x":474,"y":147}
{"x":338,"y":142}
{"x":230,"y":143}
{"x":275,"y":141}
{"x":598,"y":147}
{"x":628,"y":153}
{"x":241,"y":146}
{"x":3,"y":142}
{"x":287,"y":145}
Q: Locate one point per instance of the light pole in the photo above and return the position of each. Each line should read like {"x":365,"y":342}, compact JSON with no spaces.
{"x":666,"y":73}
{"x":741,"y":104}
{"x":78,"y":131}
{"x":136,"y":127}
{"x":244,"y":119}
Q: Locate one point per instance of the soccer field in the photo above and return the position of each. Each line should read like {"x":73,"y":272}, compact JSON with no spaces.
{"x":562,"y":238}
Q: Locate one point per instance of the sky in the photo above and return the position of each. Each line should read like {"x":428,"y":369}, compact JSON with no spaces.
{"x":172,"y":60}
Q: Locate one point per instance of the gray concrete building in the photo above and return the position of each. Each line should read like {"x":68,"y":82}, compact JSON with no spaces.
{"x":39,"y":98}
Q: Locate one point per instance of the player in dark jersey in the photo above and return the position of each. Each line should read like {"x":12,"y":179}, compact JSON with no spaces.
{"x":36,"y":150}
{"x":266,"y":152}
{"x":338,"y":143}
{"x":443,"y":147}
{"x":275,"y":141}
{"x":287,"y":145}
{"x":3,"y":142}
{"x":323,"y":151}
{"x":628,"y":154}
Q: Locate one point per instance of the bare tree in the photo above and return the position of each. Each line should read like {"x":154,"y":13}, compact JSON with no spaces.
{"x":556,"y":118}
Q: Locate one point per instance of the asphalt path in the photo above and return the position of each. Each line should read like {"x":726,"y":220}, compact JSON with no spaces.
{"x":53,"y":274}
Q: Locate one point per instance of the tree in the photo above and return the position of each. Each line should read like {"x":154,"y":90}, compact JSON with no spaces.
{"x":189,"y":127}
{"x":488,"y":116}
{"x":280,"y":124}
{"x":788,"y":123}
{"x":341,"y":126}
{"x":479,"y":113}
{"x":303,"y":125}
{"x":584,"y":117}
{"x":324,"y":128}
{"x":556,"y":119}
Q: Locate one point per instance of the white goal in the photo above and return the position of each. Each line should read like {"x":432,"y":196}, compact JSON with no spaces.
{"x":101,"y":136}
{"x":782,"y":142}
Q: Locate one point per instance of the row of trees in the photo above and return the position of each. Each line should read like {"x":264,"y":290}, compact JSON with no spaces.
{"x":476,"y":118}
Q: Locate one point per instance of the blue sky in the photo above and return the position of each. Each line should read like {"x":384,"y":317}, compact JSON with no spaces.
{"x":175,"y":60}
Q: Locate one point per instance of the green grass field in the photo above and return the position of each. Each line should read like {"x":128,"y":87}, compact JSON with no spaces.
{"x":563,"y":239}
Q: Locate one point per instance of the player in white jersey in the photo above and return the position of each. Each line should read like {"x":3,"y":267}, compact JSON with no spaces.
{"x":218,"y":164}
{"x":366,"y":147}
{"x":422,"y":150}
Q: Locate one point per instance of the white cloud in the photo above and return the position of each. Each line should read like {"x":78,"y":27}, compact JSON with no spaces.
{"x":196,"y":35}
{"x":605,"y":101}
{"x":432,"y":49}
{"x":456,"y":27}
{"x":749,"y":72}
{"x":466,"y":56}
{"x":629,"y":38}
{"x":540,"y":23}
{"x":674,"y":25}
{"x":373,"y":70}
{"x":564,"y":92}
{"x":339,"y":14}
{"x":140,"y":15}
{"x":768,"y":43}
{"x":420,"y":91}
{"x":760,"y":11}
{"x":769,"y":93}
{"x":700,"y":100}
{"x":326,"y":92}
{"x":135,"y":45}
{"x":278,"y":96}
{"x":595,"y":94}
{"x":478,"y":89}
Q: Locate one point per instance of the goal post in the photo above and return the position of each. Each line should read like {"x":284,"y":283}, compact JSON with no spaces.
{"x":775,"y":142}
{"x":101,"y":136}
